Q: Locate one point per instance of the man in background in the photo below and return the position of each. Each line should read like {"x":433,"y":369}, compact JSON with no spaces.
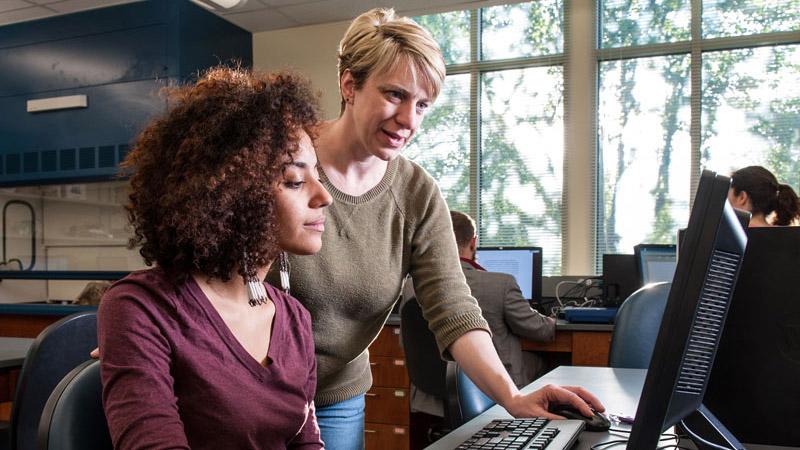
{"x":510,"y":316}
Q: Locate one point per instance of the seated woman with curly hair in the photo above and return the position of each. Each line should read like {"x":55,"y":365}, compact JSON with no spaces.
{"x":198,"y":352}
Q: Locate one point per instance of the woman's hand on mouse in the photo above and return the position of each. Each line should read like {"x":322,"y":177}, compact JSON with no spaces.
{"x":536,"y":404}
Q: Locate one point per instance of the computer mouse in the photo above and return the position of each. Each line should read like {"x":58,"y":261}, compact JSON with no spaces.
{"x":597,"y":422}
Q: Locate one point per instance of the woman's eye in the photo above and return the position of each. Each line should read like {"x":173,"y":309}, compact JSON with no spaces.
{"x":422,"y":107}
{"x":293,"y":184}
{"x":397,"y":95}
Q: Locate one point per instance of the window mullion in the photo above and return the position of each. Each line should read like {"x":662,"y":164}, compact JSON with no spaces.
{"x":696,"y":99}
{"x":474,"y":118}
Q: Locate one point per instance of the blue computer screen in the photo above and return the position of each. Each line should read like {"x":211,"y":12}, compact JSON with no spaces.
{"x":657,"y":263}
{"x":518,"y":262}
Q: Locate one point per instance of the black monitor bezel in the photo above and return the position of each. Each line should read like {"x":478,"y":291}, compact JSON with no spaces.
{"x":656,"y":411}
{"x":536,"y":280}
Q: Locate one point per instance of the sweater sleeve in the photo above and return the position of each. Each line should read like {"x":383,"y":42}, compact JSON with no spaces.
{"x":439,"y":282}
{"x":522,"y":319}
{"x":138,"y":396}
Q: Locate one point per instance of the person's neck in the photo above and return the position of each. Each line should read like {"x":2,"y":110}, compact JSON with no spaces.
{"x":232,"y":292}
{"x":347,"y":164}
{"x":759,"y":220}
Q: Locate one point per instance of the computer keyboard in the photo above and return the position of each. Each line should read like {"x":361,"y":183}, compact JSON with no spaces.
{"x":529,"y":434}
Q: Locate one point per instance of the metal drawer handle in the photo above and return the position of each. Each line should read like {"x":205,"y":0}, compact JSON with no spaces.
{"x":369,"y":394}
{"x":369,"y":431}
{"x":374,"y":364}
{"x":396,"y":331}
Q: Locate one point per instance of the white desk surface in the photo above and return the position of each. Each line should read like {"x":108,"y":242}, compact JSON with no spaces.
{"x":618,"y":389}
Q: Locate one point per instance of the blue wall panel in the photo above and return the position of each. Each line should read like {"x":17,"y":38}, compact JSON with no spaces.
{"x":120,"y":57}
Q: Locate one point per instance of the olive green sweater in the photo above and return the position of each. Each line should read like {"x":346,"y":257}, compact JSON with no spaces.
{"x":371,"y":242}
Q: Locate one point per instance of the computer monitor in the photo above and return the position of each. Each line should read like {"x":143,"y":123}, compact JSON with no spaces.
{"x":694,"y":317}
{"x":523,"y":263}
{"x":620,"y":278}
{"x":753,"y":387}
{"x":654,"y":262}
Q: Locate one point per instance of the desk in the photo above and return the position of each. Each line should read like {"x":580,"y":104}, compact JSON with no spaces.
{"x":618,"y":389}
{"x":12,"y":354}
{"x":27,"y":320}
{"x":586,"y":344}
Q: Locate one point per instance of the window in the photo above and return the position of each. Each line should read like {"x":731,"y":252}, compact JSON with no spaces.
{"x":741,"y":62}
{"x":494,"y":140}
{"x":667,"y":89}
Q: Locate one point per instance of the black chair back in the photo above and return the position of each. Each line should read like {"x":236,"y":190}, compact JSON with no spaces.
{"x":636,"y":327}
{"x":426,"y":369}
{"x":464,"y":399}
{"x":56,"y":351}
{"x":73,"y":418}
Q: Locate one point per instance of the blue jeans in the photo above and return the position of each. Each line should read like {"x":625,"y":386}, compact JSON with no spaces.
{"x":342,"y":424}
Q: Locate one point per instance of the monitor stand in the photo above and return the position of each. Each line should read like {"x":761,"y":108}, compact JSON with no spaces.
{"x":702,"y":422}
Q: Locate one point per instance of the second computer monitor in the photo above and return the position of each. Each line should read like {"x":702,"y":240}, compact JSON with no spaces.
{"x":694,"y":317}
{"x":655,"y":262}
{"x":524,"y":263}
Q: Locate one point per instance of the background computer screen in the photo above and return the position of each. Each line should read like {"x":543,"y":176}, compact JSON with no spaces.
{"x":523,"y":263}
{"x":656,"y":262}
{"x":694,"y":317}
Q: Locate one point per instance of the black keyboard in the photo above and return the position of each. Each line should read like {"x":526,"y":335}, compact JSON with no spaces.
{"x":517,"y":434}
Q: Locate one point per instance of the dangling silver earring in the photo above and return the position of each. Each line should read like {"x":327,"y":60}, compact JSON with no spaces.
{"x":256,"y":293}
{"x":283,"y":261}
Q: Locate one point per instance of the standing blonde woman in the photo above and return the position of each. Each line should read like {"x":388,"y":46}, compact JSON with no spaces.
{"x":388,"y":219}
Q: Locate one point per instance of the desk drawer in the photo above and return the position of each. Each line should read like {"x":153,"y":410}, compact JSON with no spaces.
{"x":388,"y":371}
{"x":387,"y":343}
{"x":378,"y":436}
{"x":387,"y":405}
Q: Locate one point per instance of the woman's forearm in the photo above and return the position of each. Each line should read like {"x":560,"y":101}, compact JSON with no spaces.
{"x":477,"y":356}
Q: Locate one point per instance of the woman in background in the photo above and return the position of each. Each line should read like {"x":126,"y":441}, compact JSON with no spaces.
{"x":387,"y":220}
{"x":756,"y":189}
{"x":198,"y":352}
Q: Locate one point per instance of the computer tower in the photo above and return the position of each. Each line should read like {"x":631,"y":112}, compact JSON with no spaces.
{"x":754,"y":386}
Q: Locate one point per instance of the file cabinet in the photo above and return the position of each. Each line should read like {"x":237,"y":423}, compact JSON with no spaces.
{"x":387,"y":402}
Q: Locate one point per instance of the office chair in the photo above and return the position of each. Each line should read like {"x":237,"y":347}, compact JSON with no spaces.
{"x":73,"y":417}
{"x":464,"y":399}
{"x":426,"y":369}
{"x":56,"y":351}
{"x":636,"y":327}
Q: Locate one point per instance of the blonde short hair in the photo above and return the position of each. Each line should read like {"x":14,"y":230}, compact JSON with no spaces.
{"x":378,"y":41}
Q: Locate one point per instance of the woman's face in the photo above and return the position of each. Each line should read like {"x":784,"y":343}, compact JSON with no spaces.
{"x":740,"y":201}
{"x":301,"y":200}
{"x":387,"y":110}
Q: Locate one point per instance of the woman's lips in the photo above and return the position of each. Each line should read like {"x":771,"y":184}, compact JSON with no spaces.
{"x":394,"y":139}
{"x":317,"y":225}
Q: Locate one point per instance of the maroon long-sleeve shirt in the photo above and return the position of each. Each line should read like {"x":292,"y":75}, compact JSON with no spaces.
{"x":175,"y":377}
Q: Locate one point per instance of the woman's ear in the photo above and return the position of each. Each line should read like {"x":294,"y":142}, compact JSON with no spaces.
{"x":741,"y":201}
{"x":347,"y":86}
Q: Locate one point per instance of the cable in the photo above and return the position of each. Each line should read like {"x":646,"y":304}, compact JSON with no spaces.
{"x":608,"y":444}
{"x":664,"y":437}
{"x":696,"y":437}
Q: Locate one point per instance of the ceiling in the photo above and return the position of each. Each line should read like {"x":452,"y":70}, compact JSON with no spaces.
{"x":254,"y":16}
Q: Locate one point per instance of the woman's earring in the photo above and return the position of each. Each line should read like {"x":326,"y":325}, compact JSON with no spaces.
{"x":283,"y":261}
{"x":256,"y":294}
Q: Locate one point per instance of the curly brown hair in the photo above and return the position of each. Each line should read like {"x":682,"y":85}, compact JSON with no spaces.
{"x":203,"y":175}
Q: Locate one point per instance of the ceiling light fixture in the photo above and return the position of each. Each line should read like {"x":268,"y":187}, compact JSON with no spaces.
{"x":220,"y":5}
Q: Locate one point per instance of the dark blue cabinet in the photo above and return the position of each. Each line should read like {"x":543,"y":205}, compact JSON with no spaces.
{"x":119,"y":58}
